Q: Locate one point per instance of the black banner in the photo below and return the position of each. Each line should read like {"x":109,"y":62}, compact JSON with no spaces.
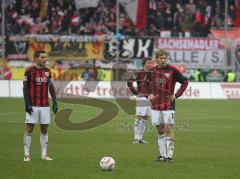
{"x":131,"y":48}
{"x":16,"y":48}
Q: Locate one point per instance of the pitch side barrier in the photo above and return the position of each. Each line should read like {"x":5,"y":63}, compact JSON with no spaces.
{"x":118,"y":89}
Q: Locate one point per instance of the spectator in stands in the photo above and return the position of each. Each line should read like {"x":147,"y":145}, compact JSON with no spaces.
{"x":238,"y":55}
{"x":198,"y":75}
{"x":152,"y":31}
{"x":87,"y":75}
{"x":62,"y":17}
{"x":100,"y":73}
{"x":65,"y":22}
{"x":168,"y":18}
{"x":230,"y":77}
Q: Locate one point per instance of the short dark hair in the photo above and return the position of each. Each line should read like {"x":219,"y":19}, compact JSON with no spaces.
{"x":145,"y":59}
{"x":37,"y":53}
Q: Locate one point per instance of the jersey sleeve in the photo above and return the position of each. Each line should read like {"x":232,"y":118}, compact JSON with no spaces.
{"x":130,"y":82}
{"x":26,"y":87}
{"x":50,"y":81}
{"x":26,"y":78}
{"x":182,"y":80}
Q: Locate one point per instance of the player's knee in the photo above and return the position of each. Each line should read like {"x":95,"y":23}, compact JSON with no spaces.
{"x":160,"y":129}
{"x":145,"y":117}
{"x":161,"y":132}
{"x":29,"y":128}
{"x":168,"y":129}
{"x":44,"y":129}
{"x":138,"y":117}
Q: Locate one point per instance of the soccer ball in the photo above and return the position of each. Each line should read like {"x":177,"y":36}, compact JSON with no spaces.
{"x":107,"y":163}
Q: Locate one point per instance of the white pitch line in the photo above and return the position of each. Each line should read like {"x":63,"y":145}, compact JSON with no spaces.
{"x":13,"y":113}
{"x":11,"y":121}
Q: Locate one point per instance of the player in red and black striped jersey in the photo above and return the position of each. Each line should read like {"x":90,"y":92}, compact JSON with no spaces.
{"x":141,"y":78}
{"x":37,"y":81}
{"x":163,"y":81}
{"x":163,"y":78}
{"x":143,"y":106}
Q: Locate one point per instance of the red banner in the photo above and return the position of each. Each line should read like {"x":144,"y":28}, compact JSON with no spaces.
{"x":237,"y":19}
{"x":231,"y":34}
{"x":141,"y":14}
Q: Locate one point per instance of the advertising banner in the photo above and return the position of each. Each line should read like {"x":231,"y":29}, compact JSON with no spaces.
{"x":58,"y":48}
{"x":76,"y":50}
{"x":110,"y":89}
{"x":16,"y":48}
{"x":194,"y":52}
{"x":69,"y":50}
{"x":131,"y":48}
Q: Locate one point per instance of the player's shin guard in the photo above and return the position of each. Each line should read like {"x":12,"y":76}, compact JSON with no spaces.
{"x":143,"y":124}
{"x":170,"y":147}
{"x":27,"y":138}
{"x":44,"y":142}
{"x":162,"y":145}
{"x":137,"y":129}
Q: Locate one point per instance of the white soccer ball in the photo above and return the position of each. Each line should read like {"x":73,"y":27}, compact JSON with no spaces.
{"x":107,"y":163}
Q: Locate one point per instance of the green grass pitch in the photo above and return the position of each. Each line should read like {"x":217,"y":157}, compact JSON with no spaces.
{"x":206,"y":144}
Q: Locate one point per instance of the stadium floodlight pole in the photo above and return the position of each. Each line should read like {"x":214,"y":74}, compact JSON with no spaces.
{"x":118,"y":40}
{"x":3,"y":39}
{"x":225,"y":28}
{"x":225,"y":22}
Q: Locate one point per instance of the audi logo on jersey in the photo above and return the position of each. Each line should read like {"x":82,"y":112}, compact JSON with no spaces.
{"x":41,"y":79}
{"x":161,"y":80}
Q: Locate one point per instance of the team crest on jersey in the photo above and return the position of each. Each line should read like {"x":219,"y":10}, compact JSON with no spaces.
{"x":167,"y":75}
{"x":47,"y":74}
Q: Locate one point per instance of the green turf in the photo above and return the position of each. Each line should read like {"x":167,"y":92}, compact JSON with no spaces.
{"x":206,"y":144}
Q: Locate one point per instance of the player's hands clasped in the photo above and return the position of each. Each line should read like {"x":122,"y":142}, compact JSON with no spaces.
{"x":29,"y":109}
{"x":152,"y":98}
{"x":55,"y":107}
{"x":171,"y":98}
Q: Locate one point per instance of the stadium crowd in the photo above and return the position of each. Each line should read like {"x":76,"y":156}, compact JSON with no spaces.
{"x":63,"y":17}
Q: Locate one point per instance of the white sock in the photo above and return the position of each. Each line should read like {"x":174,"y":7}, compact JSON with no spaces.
{"x":27,"y":138}
{"x":137,"y":129}
{"x":44,"y":142}
{"x":162,"y":145}
{"x":170,"y":147}
{"x":143,"y":124}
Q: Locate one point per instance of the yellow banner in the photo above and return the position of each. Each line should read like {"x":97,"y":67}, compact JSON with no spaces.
{"x":67,"y":50}
{"x":73,"y":74}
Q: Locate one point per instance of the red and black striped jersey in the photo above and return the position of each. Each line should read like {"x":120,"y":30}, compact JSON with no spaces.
{"x":162,"y":84}
{"x":37,"y":82}
{"x":142,"y":83}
